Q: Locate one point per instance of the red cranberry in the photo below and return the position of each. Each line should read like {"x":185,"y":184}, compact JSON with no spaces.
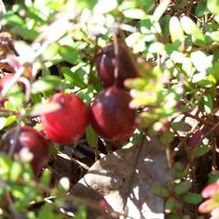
{"x":68,"y":123}
{"x":106,"y":63}
{"x":28,"y":138}
{"x":111,"y":116}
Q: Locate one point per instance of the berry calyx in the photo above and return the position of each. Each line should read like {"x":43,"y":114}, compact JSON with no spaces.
{"x":111,"y":116}
{"x":68,"y":123}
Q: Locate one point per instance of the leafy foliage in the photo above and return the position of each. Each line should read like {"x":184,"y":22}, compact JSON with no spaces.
{"x":50,"y":46}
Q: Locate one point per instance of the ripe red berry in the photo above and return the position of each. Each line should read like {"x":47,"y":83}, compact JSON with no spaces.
{"x":111,"y":116}
{"x":68,"y":123}
{"x":106,"y":63}
{"x":28,"y":138}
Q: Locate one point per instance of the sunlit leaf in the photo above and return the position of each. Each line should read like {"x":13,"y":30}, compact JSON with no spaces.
{"x":176,"y":31}
{"x":192,"y":29}
{"x":46,"y":83}
{"x":208,"y":103}
{"x":43,"y":108}
{"x":134,"y":13}
{"x":213,"y":6}
{"x":104,"y":6}
{"x":161,"y":8}
{"x":201,"y":61}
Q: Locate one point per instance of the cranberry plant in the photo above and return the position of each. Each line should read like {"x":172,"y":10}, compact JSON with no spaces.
{"x":106,"y":74}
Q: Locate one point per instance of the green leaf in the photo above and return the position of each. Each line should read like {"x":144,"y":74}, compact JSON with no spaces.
{"x":159,"y":11}
{"x":10,"y":120}
{"x":143,"y":98}
{"x":167,"y":137}
{"x":170,"y":205}
{"x":24,"y":50}
{"x":84,"y":4}
{"x":213,"y":6}
{"x":180,"y":4}
{"x":24,"y":32}
{"x":156,"y":47}
{"x":201,"y":61}
{"x":33,"y":14}
{"x":42,"y":108}
{"x":45,"y":177}
{"x":146,"y":27}
{"x":201,"y":8}
{"x":181,"y":126}
{"x":105,"y":6}
{"x":69,"y":54}
{"x":15,"y":97}
{"x":5,"y":164}
{"x":192,"y":198}
{"x":214,"y":35}
{"x":3,"y":120}
{"x":55,"y":4}
{"x":208,"y":103}
{"x":213,"y":177}
{"x":182,"y":187}
{"x":47,"y":211}
{"x":74,"y":75}
{"x":15,"y":171}
{"x":179,"y":170}
{"x":201,"y":150}
{"x":147,"y":5}
{"x":192,"y":29}
{"x":12,"y":19}
{"x":160,"y":191}
{"x":135,"y":13}
{"x":176,"y":31}
{"x":92,"y":137}
{"x":208,"y":82}
{"x":198,"y":77}
{"x":81,"y":213}
{"x":46,"y":83}
{"x":51,"y":53}
{"x":165,"y":20}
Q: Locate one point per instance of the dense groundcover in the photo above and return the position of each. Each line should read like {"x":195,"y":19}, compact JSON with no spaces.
{"x":109,"y":109}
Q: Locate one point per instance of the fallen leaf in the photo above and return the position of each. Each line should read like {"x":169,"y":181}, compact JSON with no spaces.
{"x":124,"y":179}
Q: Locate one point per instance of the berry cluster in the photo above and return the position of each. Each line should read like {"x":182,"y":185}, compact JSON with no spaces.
{"x":109,"y":113}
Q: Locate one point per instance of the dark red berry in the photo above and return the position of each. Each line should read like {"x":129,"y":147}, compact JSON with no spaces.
{"x":68,"y":123}
{"x":111,"y":116}
{"x":27,"y":138}
{"x":106,"y":63}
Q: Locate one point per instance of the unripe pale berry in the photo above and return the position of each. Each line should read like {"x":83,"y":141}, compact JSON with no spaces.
{"x":68,"y":123}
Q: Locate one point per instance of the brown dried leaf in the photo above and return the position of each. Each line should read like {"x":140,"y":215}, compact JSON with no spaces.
{"x":125,"y":177}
